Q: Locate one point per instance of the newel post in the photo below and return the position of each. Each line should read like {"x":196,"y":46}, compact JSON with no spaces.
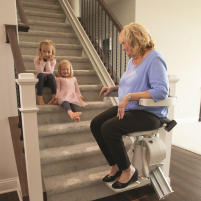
{"x":29,"y":111}
{"x":167,"y":136}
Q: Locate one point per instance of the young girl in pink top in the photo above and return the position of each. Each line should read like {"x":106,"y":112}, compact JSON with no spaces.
{"x":68,"y":93}
{"x":44,"y":65}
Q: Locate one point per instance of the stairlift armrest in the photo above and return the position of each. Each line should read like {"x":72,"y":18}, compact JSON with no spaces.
{"x":170,"y":101}
{"x":112,"y":94}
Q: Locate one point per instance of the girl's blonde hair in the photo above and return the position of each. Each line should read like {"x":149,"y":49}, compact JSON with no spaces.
{"x":49,"y":43}
{"x":68,"y":64}
{"x":137,"y":37}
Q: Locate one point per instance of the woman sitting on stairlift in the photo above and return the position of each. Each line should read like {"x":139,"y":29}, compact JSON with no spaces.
{"x":145,"y":77}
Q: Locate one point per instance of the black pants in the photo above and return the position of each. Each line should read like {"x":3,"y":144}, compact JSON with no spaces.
{"x":42,"y":82}
{"x":69,"y":106}
{"x":108,"y":131}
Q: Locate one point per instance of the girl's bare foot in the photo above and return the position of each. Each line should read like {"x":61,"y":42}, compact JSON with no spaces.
{"x":52,"y":100}
{"x":74,"y":115}
{"x":40,"y":100}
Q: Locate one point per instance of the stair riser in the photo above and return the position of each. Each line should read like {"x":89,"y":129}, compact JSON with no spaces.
{"x":38,"y":39}
{"x":73,"y":165}
{"x":47,"y":19}
{"x":50,"y":2}
{"x":31,"y":8}
{"x":76,"y":66}
{"x":60,"y":52}
{"x":65,"y":140}
{"x":84,"y":194}
{"x":51,"y":29}
{"x":63,"y":117}
{"x":88,"y":96}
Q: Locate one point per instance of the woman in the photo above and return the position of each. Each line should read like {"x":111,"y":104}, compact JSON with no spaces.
{"x":145,"y":77}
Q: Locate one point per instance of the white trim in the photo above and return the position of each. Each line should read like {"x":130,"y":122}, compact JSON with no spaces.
{"x":29,"y":110}
{"x":88,"y":47}
{"x":187,"y":120}
{"x":9,"y":185}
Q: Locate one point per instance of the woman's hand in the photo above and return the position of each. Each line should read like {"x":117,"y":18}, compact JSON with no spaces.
{"x":122,"y":106}
{"x":107,"y":90}
{"x":40,"y":56}
{"x":50,"y":58}
{"x":81,"y":97}
{"x":55,"y":101}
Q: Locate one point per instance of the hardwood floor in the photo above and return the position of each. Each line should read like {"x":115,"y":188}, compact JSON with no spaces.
{"x":185,"y":174}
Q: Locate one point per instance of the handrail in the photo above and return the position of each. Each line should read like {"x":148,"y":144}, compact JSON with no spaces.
{"x":110,"y":14}
{"x":11,"y":37}
{"x":24,"y":25}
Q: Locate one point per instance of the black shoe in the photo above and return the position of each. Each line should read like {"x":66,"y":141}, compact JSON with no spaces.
{"x":109,"y":178}
{"x":119,"y":185}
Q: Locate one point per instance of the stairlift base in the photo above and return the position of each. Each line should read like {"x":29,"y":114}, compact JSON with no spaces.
{"x":142,"y":181}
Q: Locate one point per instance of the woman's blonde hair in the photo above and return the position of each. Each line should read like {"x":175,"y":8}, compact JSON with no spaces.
{"x":137,"y":37}
{"x":48,"y":43}
{"x":68,"y":64}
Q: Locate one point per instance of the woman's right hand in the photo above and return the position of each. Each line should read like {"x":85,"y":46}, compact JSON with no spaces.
{"x":107,"y":90}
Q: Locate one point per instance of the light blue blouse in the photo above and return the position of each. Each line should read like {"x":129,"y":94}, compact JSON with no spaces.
{"x":150,"y":75}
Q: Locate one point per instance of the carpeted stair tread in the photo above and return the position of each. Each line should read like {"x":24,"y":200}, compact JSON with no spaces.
{"x":75,"y":180}
{"x":41,"y":5}
{"x":75,"y":72}
{"x":58,"y":58}
{"x":73,"y":152}
{"x":83,"y":88}
{"x":47,"y":2}
{"x":49,"y":24}
{"x":43,"y":14}
{"x":47,"y":33}
{"x":63,"y":128}
{"x":58,"y":46}
{"x":57,"y":108}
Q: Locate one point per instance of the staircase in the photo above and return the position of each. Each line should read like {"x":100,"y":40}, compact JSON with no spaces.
{"x":71,"y":162}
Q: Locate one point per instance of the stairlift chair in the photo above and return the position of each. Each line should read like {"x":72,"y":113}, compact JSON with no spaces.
{"x":148,"y":151}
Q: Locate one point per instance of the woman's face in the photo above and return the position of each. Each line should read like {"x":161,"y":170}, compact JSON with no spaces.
{"x":127,"y":48}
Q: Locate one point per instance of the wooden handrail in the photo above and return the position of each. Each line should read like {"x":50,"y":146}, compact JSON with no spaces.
{"x":11,"y":37}
{"x":110,"y":14}
{"x":24,"y":25}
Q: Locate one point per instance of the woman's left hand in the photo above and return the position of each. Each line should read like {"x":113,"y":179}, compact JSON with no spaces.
{"x":81,"y":97}
{"x":122,"y":106}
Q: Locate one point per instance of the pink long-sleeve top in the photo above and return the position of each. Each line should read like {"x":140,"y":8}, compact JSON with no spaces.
{"x":44,"y":67}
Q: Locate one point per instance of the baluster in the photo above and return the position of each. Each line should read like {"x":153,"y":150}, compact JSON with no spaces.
{"x":125,"y":62}
{"x":88,"y":17}
{"x":90,"y":35}
{"x":116,"y":55}
{"x":109,"y":46}
{"x":85,"y":15}
{"x":105,"y":42}
{"x":98,"y":30}
{"x":120,"y":59}
{"x":96,"y":26}
{"x":112,"y":76}
{"x":102,"y":34}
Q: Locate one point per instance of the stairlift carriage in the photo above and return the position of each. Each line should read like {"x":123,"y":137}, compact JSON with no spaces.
{"x":148,"y":152}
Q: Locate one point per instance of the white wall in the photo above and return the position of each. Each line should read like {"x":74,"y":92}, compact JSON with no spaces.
{"x":75,"y":6}
{"x":175,"y":27}
{"x":123,"y":10}
{"x":8,"y":106}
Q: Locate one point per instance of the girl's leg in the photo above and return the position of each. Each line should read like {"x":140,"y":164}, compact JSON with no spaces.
{"x":40,"y":84}
{"x":73,"y":115}
{"x":52,"y":84}
{"x":75,"y":109}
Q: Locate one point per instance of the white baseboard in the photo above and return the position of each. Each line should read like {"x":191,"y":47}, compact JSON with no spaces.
{"x":9,"y":185}
{"x":187,"y":120}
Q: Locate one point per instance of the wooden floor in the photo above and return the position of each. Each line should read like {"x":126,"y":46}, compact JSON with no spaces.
{"x":185,"y":175}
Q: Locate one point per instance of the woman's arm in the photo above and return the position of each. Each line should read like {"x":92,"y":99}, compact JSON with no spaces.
{"x":58,"y":87}
{"x":107,"y":90}
{"x":77,"y":90}
{"x":39,"y":65}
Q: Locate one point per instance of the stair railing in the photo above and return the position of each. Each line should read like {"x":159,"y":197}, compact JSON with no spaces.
{"x":19,"y":124}
{"x":23,"y":26}
{"x":103,"y":28}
